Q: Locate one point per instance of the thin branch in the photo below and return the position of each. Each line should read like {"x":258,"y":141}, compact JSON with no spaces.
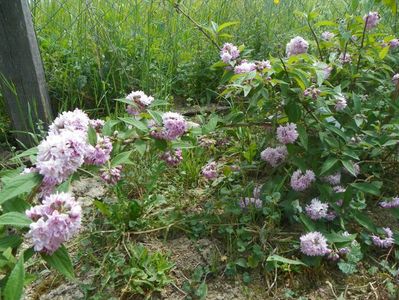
{"x":361,"y":44}
{"x":199,"y":27}
{"x":316,"y":39}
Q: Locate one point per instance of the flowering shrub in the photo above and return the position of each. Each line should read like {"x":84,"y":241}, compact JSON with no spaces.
{"x":328,"y":112}
{"x":39,"y":197}
{"x":310,"y":138}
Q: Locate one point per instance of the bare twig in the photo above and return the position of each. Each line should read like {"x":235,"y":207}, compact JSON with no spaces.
{"x":199,"y":27}
{"x":316,"y":39}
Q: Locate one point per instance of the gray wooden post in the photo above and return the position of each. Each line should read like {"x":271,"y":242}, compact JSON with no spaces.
{"x":22,"y":79}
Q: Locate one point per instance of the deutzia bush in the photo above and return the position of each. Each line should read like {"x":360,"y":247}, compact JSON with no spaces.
{"x":36,"y":200}
{"x":326,"y":112}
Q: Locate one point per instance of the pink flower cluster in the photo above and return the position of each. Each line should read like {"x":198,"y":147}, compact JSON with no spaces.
{"x":312,"y":92}
{"x":111,"y":175}
{"x":140,"y":101}
{"x":210,"y":171}
{"x":287,"y":134}
{"x":371,"y":19}
{"x":174,"y":126}
{"x":334,"y":179}
{"x":173,"y":157}
{"x":394,"y":43}
{"x":297,"y":45}
{"x":345,"y":58}
{"x":244,"y":67}
{"x":100,"y":153}
{"x":340,"y":102}
{"x":394,"y":203}
{"x":274,"y":156}
{"x":60,"y":155}
{"x":55,"y":221}
{"x":229,"y":52}
{"x":314,"y":244}
{"x":318,"y":210}
{"x":66,"y":148}
{"x":383,"y":242}
{"x":327,"y":36}
{"x":250,"y":202}
{"x":301,"y":181}
{"x":75,"y":121}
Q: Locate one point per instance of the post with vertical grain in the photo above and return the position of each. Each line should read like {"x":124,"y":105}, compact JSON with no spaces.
{"x":22,"y":79}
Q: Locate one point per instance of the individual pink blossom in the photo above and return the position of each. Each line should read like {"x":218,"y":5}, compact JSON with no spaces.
{"x":257,"y":191}
{"x":61,"y":155}
{"x":244,"y":67}
{"x":327,"y":36}
{"x":210,"y":171}
{"x":340,"y":102}
{"x":287,"y":134}
{"x":312,"y":92}
{"x":300,"y":181}
{"x":100,"y":153}
{"x":345,"y":58}
{"x":263,"y":65}
{"x":229,"y":52}
{"x":76,"y":120}
{"x":274,"y":156}
{"x":140,"y":101}
{"x":334,"y":179}
{"x":55,"y":221}
{"x":394,"y":43}
{"x":173,"y":157}
{"x":111,"y":175}
{"x":174,"y":125}
{"x":297,"y":45}
{"x":371,"y":19}
{"x":394,"y":203}
{"x":250,"y":202}
{"x":386,"y":242}
{"x":97,"y":124}
{"x":314,"y":244}
{"x":316,"y":210}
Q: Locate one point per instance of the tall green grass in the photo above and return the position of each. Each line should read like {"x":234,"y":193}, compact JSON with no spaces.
{"x":98,"y":50}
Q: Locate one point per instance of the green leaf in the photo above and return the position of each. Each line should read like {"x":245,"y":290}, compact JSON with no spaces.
{"x":122,"y":158}
{"x":303,"y":136}
{"x":347,"y":268}
{"x":156,"y":115}
{"x":364,"y":221}
{"x":383,"y":52}
{"x":10,"y":241}
{"x":60,"y":261}
{"x":15,"y":282}
{"x":370,"y":188}
{"x":284,"y":260}
{"x":227,"y":24}
{"x":211,"y":125}
{"x":29,"y":152}
{"x":339,"y":238}
{"x":138,"y":124}
{"x":140,"y":146}
{"x":348,"y":165}
{"x":92,"y":136}
{"x":19,"y":185}
{"x":293,"y":111}
{"x":202,"y":291}
{"x":328,"y":165}
{"x":310,"y":226}
{"x":15,"y":219}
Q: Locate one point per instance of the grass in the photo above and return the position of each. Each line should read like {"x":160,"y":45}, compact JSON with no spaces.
{"x":98,"y":50}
